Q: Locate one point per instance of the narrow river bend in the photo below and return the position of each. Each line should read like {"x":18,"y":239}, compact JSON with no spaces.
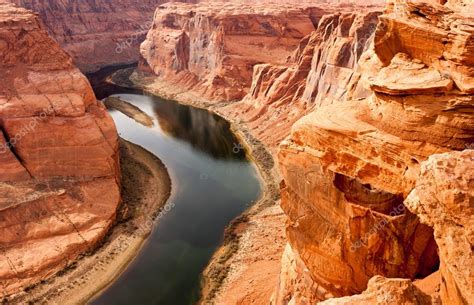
{"x":212,"y":183}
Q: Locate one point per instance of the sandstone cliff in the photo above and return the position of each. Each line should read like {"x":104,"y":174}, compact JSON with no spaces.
{"x":443,"y":199}
{"x":59,"y":178}
{"x":268,"y":55}
{"x":349,"y":166}
{"x":321,"y":70}
{"x":210,"y":49}
{"x":369,"y":99}
{"x":97,"y":33}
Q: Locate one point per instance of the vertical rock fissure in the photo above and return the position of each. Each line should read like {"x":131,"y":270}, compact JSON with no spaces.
{"x":10,"y":147}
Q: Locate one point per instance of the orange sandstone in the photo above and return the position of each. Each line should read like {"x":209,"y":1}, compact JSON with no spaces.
{"x":59,"y":187}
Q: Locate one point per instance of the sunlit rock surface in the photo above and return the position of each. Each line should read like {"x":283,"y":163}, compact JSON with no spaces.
{"x":444,"y":199}
{"x":321,"y":70}
{"x":383,"y":291}
{"x":211,"y":49}
{"x":349,"y":165}
{"x":59,"y":174}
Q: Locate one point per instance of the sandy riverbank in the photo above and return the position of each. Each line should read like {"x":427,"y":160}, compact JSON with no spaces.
{"x":253,"y":241}
{"x":146,"y":187}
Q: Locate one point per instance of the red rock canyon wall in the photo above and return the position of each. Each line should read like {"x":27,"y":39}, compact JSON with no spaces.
{"x":97,"y":33}
{"x":269,"y":56}
{"x":59,"y":177}
{"x":349,"y":166}
{"x":321,"y":70}
{"x":210,"y":49}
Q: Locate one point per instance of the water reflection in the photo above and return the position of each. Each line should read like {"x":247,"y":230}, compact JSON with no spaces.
{"x":205,"y":131}
{"x":212,"y":184}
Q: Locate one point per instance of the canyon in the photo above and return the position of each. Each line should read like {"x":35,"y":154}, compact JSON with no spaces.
{"x":359,"y":117}
{"x":97,"y":34}
{"x":209,"y":50}
{"x":60,"y":173}
{"x":362,"y":104}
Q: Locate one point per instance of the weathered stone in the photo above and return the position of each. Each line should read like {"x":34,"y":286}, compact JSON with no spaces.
{"x":439,"y":36}
{"x":404,"y":76}
{"x":383,"y":291}
{"x":346,"y":231}
{"x":319,"y":72}
{"x":211,"y":48}
{"x":355,"y":162}
{"x":97,"y":33}
{"x":59,"y":169}
{"x":12,"y":169}
{"x":444,"y":199}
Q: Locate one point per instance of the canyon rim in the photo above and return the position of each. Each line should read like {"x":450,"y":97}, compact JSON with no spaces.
{"x":358,"y":115}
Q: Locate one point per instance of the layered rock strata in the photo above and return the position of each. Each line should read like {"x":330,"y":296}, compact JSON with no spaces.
{"x":348,"y":167}
{"x":211,"y":48}
{"x":97,"y":33}
{"x":59,"y":178}
{"x":274,"y":59}
{"x":321,"y":70}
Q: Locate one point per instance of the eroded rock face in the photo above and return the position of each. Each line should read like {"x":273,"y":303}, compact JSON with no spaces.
{"x":383,"y":291}
{"x":349,"y":165}
{"x":295,"y":284}
{"x":346,"y":231}
{"x":59,"y":178}
{"x":320,"y":71}
{"x":97,"y":33}
{"x":211,"y":49}
{"x":439,"y":36}
{"x":444,"y":199}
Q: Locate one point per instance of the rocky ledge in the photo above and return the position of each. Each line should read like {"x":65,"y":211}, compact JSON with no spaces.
{"x":350,"y":168}
{"x":59,"y":183}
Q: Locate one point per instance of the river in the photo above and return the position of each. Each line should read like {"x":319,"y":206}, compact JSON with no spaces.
{"x":213,"y":182}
